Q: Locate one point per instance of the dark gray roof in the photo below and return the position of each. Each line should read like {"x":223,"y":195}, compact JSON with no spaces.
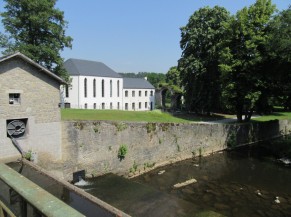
{"x":136,"y":83}
{"x":89,"y":68}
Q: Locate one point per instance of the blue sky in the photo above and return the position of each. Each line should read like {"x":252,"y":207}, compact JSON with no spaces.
{"x":132,"y":35}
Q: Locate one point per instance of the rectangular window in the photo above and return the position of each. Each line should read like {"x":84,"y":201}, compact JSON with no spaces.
{"x":14,"y":98}
{"x":139,"y":93}
{"x":145,"y":93}
{"x":126,"y":106}
{"x":118,"y":105}
{"x":126,"y":93}
{"x":103,"y":105}
{"x":152,"y":93}
{"x":146,"y":105}
{"x":133,"y":93}
{"x":133,"y":106}
{"x":67,"y":91}
{"x":94,"y":105}
{"x":86,"y":106}
{"x":139,"y":105}
{"x":111,"y":107}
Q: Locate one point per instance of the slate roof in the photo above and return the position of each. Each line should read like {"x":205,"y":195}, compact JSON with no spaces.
{"x":89,"y":68}
{"x":136,"y":83}
{"x":30,"y":61}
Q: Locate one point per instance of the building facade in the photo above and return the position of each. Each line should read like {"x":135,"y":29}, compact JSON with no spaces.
{"x":29,"y":108}
{"x":96,"y":86}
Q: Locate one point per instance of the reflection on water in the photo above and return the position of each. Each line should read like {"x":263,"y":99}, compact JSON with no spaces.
{"x":232,"y":184}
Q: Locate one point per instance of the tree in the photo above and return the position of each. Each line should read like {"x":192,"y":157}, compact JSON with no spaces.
{"x":242,"y":58}
{"x":37,"y":29}
{"x":173,"y":77}
{"x":279,"y":56}
{"x":198,"y":65}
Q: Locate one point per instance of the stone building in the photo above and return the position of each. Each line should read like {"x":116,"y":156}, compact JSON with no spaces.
{"x":29,"y":108}
{"x":96,"y":86}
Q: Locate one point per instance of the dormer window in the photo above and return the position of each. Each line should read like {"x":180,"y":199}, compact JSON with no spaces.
{"x":14,"y":98}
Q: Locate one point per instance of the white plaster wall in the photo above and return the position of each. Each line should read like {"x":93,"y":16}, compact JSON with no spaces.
{"x":139,"y":99}
{"x":77,"y":97}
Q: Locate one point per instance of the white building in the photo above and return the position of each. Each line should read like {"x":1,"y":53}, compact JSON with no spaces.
{"x":95,"y":86}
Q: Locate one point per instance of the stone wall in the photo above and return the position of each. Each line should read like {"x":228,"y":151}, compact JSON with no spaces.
{"x":39,"y":99}
{"x":94,"y":146}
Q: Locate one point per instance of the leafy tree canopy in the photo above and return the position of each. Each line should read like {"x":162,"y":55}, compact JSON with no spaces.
{"x":36,"y":29}
{"x":198,"y":66}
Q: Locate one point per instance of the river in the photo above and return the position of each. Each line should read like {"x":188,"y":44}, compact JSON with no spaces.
{"x":242,"y":183}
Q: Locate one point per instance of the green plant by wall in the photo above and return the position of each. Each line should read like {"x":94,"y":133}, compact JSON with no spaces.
{"x":96,"y":127}
{"x":133,"y":169}
{"x":148,"y":165}
{"x":120,"y":126}
{"x":160,"y":141}
{"x":164,"y":126}
{"x":79,"y":125}
{"x":231,"y":140}
{"x":122,"y":151}
{"x":28,"y":155}
{"x":151,"y":127}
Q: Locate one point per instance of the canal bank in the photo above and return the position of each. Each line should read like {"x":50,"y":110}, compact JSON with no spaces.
{"x":125,"y":148}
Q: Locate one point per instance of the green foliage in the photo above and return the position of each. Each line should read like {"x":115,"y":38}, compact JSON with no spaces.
{"x":37,"y":29}
{"x":79,"y":125}
{"x":96,"y":127}
{"x":122,"y":151}
{"x":242,"y":57}
{"x":148,"y":165}
{"x":173,"y":77}
{"x":120,"y":126}
{"x":151,"y":127}
{"x":200,"y":43}
{"x":134,"y":167}
{"x":28,"y":155}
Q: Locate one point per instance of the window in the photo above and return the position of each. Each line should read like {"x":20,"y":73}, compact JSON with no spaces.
{"x":67,"y":91}
{"x":145,"y":93}
{"x":139,"y":93}
{"x":133,"y":93}
{"x":14,"y":98}
{"x":103,"y":105}
{"x":139,"y":105}
{"x":133,"y":106}
{"x":94,"y":105}
{"x":118,"y":105}
{"x":102,"y":86}
{"x":111,"y":107}
{"x":85,"y":87}
{"x":146,"y":105}
{"x":126,"y":106}
{"x":152,"y":93}
{"x":126,"y":93}
{"x":110,"y":88}
{"x":94,"y":87}
{"x":117,"y":88}
{"x":86,"y":106}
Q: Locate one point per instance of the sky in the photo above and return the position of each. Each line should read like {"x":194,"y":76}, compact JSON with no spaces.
{"x":133,"y":35}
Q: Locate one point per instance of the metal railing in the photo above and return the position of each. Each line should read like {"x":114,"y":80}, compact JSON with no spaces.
{"x":41,"y":202}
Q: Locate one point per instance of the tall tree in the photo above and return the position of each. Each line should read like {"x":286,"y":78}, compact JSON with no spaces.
{"x":173,"y":76}
{"x":37,"y":29}
{"x":243,"y":80}
{"x":279,"y":56}
{"x":198,"y":65}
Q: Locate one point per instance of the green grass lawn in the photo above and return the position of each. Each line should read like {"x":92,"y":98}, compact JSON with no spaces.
{"x":274,"y":116}
{"x":155,"y":116}
{"x":148,"y":116}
